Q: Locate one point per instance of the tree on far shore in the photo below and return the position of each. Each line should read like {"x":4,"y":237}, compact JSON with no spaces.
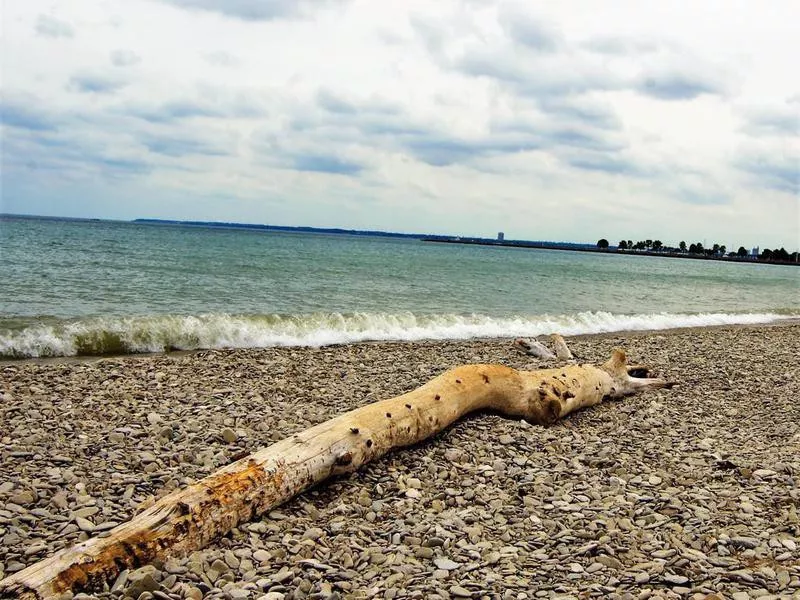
{"x":714,"y":251}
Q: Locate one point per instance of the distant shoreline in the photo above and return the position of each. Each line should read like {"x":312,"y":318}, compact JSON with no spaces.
{"x":442,"y":239}
{"x":611,"y":251}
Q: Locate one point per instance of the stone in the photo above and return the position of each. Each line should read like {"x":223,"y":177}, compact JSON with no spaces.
{"x":446,"y":564}
{"x":193,"y":593}
{"x":229,"y":435}
{"x":138,"y":586}
{"x":783,"y":577}
{"x":23,"y":498}
{"x":675,"y":579}
{"x":609,"y":561}
{"x":460,"y":592}
{"x":84,"y":524}
{"x":313,"y":533}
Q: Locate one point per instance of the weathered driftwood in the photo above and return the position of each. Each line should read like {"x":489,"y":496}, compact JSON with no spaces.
{"x":534,"y":348}
{"x":189,"y":519}
{"x":562,"y":350}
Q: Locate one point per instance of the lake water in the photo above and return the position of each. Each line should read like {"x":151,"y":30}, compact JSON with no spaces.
{"x":74,"y":287}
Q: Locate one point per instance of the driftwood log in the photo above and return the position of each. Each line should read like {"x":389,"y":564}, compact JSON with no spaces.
{"x":189,"y":519}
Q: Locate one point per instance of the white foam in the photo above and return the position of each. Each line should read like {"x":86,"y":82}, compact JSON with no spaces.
{"x":160,"y":333}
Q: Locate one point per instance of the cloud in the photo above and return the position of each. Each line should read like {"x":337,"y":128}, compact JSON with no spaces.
{"x":606,"y":163}
{"x":699,"y":196}
{"x":379,"y":125}
{"x":220,"y":58}
{"x":52,"y":27}
{"x":442,"y":151}
{"x":777,"y":172}
{"x":524,"y":29}
{"x":230,"y":107}
{"x":621,"y":46}
{"x":580,"y":111}
{"x":536,"y":77}
{"x":120,"y":165}
{"x":23,"y":112}
{"x":72,"y":152}
{"x":336,"y":104}
{"x":321,"y":163}
{"x":677,"y":86}
{"x":774,"y":121}
{"x":255,"y":10}
{"x":95,"y":83}
{"x":332,"y":103}
{"x":184,"y":145}
{"x":124,"y":58}
{"x":174,"y":110}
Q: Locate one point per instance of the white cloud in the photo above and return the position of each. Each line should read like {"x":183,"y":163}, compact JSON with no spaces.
{"x":49,"y":26}
{"x":639,"y":121}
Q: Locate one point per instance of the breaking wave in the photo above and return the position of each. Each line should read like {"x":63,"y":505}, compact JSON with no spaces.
{"x":132,"y":335}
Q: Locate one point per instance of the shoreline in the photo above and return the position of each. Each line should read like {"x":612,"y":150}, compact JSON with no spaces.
{"x":615,"y":252}
{"x":581,"y":336}
{"x":667,"y":494}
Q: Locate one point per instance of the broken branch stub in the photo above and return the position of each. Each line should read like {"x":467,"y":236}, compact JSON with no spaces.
{"x":189,"y":519}
{"x":562,"y":350}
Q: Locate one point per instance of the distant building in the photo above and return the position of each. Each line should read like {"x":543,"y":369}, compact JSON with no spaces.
{"x":500,"y":236}
{"x":755,"y":252}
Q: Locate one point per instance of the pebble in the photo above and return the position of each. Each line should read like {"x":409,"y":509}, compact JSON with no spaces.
{"x":618,"y":500}
{"x":446,"y":564}
{"x":313,"y":533}
{"x":460,"y":592}
{"x":84,"y":524}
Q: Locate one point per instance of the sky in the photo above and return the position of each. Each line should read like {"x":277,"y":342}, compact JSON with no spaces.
{"x":573,"y":120}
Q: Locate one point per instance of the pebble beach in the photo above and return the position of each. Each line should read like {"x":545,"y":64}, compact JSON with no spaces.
{"x":679,"y":493}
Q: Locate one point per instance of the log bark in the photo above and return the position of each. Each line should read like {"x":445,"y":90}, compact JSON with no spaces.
{"x":189,"y":519}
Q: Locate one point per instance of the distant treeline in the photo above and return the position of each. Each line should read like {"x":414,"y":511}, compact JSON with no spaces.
{"x":696,"y":250}
{"x":373,"y":233}
{"x":331,"y":230}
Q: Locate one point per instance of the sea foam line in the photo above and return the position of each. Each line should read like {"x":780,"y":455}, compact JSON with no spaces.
{"x":126,"y":335}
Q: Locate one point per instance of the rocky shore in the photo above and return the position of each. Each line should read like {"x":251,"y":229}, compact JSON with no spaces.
{"x":677,"y":493}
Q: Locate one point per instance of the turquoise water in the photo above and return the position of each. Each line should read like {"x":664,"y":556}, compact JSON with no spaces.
{"x":70,"y":287}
